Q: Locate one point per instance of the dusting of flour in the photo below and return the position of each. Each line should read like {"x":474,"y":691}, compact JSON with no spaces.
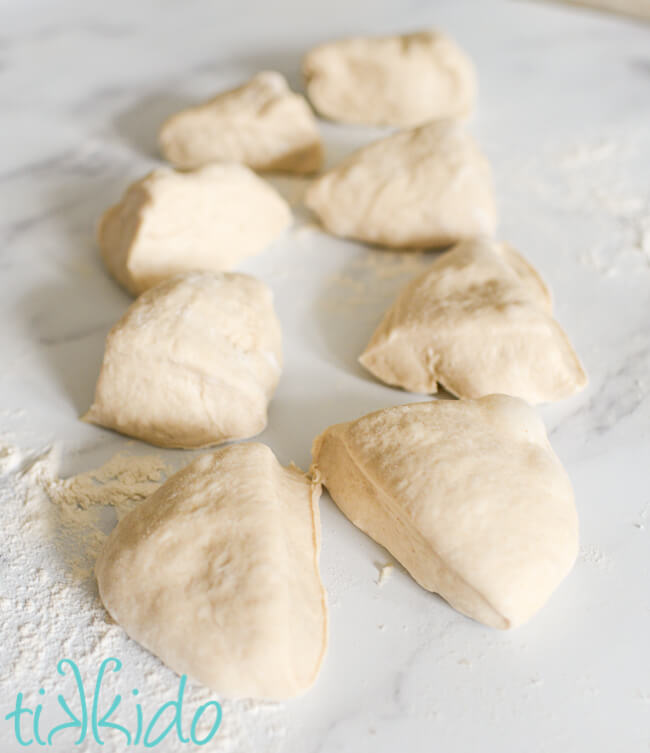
{"x":372,"y":278}
{"x":50,"y":608}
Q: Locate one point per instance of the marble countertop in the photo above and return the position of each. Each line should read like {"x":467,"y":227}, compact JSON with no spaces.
{"x":564,"y":117}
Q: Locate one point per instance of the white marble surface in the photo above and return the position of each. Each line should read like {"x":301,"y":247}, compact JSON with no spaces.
{"x":565,"y":119}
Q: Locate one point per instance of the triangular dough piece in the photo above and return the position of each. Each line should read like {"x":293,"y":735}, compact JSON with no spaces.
{"x":170,"y":222}
{"x":217,"y":574}
{"x":425,"y":187}
{"x":479,"y":322}
{"x":192,"y":363}
{"x":402,"y":80}
{"x":467,"y":494}
{"x":262,"y":124}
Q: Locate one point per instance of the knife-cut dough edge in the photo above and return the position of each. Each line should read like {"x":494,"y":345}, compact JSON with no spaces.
{"x":446,"y":579}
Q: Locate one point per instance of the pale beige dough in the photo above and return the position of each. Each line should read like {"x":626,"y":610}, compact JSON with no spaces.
{"x":217,"y":574}
{"x":207,"y":219}
{"x":401,"y":80}
{"x":429,"y":186}
{"x":262,"y":124}
{"x":478,"y":321}
{"x":467,"y":494}
{"x":192,"y":363}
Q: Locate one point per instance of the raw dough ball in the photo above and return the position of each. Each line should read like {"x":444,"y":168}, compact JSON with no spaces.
{"x":262,"y":124}
{"x":467,"y":494}
{"x":193,"y":362}
{"x":429,"y":186}
{"x":217,"y":574}
{"x":478,"y":321}
{"x":399,"y":80}
{"x":170,"y":222}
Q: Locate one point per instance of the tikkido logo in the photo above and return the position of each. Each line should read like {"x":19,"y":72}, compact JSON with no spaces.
{"x":28,"y":726}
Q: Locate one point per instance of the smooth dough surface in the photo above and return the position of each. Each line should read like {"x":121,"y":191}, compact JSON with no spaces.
{"x":467,"y":494}
{"x":425,"y":187}
{"x":262,"y":124}
{"x":478,"y":321}
{"x":395,"y":80}
{"x":192,"y":363}
{"x":207,"y":219}
{"x":217,"y":574}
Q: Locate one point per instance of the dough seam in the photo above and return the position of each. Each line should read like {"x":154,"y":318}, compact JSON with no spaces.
{"x":314,"y":495}
{"x":395,"y":511}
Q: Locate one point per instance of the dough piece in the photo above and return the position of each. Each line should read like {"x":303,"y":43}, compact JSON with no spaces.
{"x":429,"y":186}
{"x":479,"y":322}
{"x":467,"y":494}
{"x":192,"y":363}
{"x":217,"y":574}
{"x":400,"y":80}
{"x":170,"y":222}
{"x":262,"y":124}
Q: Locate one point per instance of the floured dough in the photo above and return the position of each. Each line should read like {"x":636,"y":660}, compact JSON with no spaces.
{"x":170,"y":222}
{"x":467,"y":494}
{"x":217,"y":574}
{"x":478,"y":321}
{"x":399,"y":80}
{"x":262,"y":124}
{"x":193,"y":362}
{"x":429,"y":186}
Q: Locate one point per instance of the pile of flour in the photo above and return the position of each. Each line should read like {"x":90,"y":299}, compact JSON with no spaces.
{"x":49,"y":605}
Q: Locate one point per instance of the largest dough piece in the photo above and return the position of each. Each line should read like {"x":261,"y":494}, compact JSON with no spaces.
{"x":207,"y":219}
{"x":467,"y":495}
{"x":262,"y":124}
{"x":217,"y":574}
{"x":429,"y":186}
{"x":193,"y":362}
{"x":397,"y":80}
{"x":478,"y":321}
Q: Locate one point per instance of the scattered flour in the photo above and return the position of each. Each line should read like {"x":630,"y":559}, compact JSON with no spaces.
{"x":640,"y":524}
{"x":593,"y":178}
{"x":385,"y":571}
{"x":373,"y":278}
{"x":121,"y":482}
{"x":593,"y":556}
{"x":50,"y":608}
{"x":585,"y":154}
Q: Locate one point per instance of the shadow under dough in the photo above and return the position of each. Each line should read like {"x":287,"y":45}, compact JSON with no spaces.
{"x":138,"y":125}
